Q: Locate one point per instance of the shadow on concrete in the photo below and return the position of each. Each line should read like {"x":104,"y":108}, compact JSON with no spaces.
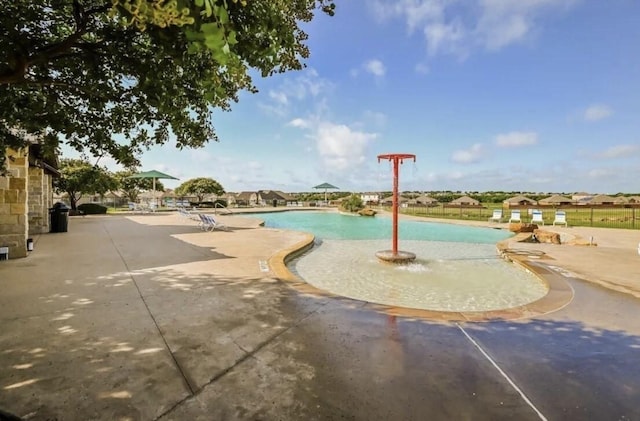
{"x":572,"y":370}
{"x":97,"y":355}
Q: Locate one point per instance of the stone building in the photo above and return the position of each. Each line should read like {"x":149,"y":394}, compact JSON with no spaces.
{"x":26,"y":194}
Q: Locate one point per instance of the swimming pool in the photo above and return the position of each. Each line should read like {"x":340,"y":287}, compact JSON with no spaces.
{"x":339,"y":226}
{"x":457,"y":267}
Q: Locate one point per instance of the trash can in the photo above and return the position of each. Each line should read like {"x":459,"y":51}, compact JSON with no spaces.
{"x":58,"y":218}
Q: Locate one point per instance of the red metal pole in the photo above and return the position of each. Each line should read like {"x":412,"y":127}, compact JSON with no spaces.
{"x":395,"y":205}
{"x":397,"y":160}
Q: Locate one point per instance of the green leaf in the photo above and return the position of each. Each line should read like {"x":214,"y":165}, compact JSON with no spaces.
{"x":231,"y":38}
{"x":223,"y":16}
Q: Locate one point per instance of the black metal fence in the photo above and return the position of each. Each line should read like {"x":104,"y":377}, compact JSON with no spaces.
{"x":605,"y":216}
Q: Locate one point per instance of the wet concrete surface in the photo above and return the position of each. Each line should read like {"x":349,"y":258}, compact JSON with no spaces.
{"x":147,"y":318}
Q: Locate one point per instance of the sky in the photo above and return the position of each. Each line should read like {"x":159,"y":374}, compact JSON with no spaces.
{"x":490,"y":95}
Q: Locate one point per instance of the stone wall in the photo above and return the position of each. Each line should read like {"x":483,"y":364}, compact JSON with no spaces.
{"x":39,"y":200}
{"x":13,"y":204}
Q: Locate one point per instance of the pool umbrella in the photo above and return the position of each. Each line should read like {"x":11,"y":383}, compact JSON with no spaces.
{"x":325,"y":186}
{"x":153,"y":174}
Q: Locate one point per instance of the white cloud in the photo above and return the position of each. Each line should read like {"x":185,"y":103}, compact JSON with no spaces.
{"x":459,"y":26}
{"x":308,"y":85}
{"x":597,"y":112}
{"x":466,"y":156}
{"x":300,"y":123}
{"x":375,"y":67}
{"x":445,"y":38}
{"x":414,"y":11}
{"x":505,"y":22}
{"x":619,"y":151}
{"x":516,"y":139}
{"x":279,"y":97}
{"x":340,"y":147}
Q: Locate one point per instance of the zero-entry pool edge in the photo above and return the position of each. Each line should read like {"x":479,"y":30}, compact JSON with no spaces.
{"x":558,"y":296}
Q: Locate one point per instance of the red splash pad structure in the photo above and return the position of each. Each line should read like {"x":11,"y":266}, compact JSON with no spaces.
{"x":393,"y":255}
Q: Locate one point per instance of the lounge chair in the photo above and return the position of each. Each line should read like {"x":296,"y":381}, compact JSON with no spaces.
{"x":561,"y":218}
{"x":497,"y":216}
{"x":536,"y":217}
{"x":186,"y":214}
{"x":208,"y":223}
{"x":138,"y":208}
{"x":515,"y":216}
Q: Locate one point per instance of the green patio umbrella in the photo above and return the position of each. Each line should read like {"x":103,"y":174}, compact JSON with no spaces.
{"x":325,"y":186}
{"x":153,"y":174}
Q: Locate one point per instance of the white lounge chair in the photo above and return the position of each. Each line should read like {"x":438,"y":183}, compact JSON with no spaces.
{"x":208,"y":223}
{"x":515,"y":216}
{"x":138,"y":208}
{"x":561,"y":218}
{"x":536,"y":217}
{"x":187,"y":214}
{"x":497,"y":216}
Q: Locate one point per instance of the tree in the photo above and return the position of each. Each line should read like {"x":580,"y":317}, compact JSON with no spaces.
{"x":79,"y":177}
{"x":82,"y":71}
{"x":352,"y":203}
{"x":199,"y":187}
{"x":132,"y":187}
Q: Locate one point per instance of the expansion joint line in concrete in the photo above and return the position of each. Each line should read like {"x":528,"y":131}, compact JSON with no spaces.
{"x":166,"y":344}
{"x":245,"y":357}
{"x":497,"y":367}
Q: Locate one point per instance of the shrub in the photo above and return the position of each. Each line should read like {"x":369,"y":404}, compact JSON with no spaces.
{"x":92,"y":208}
{"x":352,"y":203}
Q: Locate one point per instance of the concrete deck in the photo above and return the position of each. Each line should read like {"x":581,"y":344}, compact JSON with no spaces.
{"x":147,"y":318}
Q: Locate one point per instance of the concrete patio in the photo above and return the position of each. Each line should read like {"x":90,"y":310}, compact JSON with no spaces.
{"x":146,"y":317}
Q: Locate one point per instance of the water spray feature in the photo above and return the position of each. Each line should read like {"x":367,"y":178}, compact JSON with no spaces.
{"x":394,"y":255}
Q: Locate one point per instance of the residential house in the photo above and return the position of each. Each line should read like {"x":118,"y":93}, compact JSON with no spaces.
{"x":370,"y":198}
{"x":424,"y":200}
{"x":275,"y":198}
{"x":245,"y":198}
{"x":519,"y":201}
{"x":602,"y":199}
{"x":556,"y":200}
{"x":581,"y":198}
{"x":388,"y":201}
{"x":464,"y":201}
{"x":262,"y":198}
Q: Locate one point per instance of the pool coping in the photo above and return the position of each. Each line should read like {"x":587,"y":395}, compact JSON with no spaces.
{"x":559,"y":293}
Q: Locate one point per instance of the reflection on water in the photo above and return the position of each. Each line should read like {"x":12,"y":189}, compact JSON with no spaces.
{"x":446,"y":276}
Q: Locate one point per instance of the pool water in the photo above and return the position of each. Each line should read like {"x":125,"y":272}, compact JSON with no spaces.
{"x":457,"y":267}
{"x":338,"y":226}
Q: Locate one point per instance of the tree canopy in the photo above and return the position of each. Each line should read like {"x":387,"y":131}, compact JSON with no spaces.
{"x":79,"y":177}
{"x":112,"y":77}
{"x":199,"y":187}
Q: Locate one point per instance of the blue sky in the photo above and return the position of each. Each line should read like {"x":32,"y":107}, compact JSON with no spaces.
{"x":526,"y":95}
